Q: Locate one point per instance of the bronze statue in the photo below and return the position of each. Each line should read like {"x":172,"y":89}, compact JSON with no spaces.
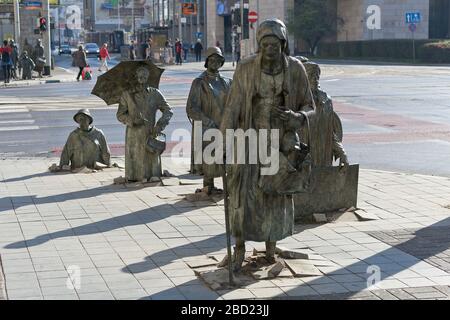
{"x":27,"y":65}
{"x":326,"y":127}
{"x":39,"y":57}
{"x":270,"y":90}
{"x":206,"y":104}
{"x":86,"y":146}
{"x":137,"y":110}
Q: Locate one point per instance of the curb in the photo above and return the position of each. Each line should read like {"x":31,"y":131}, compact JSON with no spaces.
{"x":34,"y":83}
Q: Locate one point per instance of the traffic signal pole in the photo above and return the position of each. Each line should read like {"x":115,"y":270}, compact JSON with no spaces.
{"x":46,"y":36}
{"x":17,"y":23}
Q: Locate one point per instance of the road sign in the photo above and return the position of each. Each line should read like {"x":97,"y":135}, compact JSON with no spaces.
{"x":32,"y":5}
{"x":199,"y":35}
{"x":412,"y":27}
{"x":183,"y":20}
{"x":252,"y":17}
{"x":189,"y":8}
{"x":413,"y":17}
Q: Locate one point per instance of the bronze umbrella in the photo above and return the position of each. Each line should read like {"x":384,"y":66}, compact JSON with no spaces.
{"x":110,"y":85}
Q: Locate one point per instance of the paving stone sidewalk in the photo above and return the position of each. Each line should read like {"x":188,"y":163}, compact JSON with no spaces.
{"x":133,"y":242}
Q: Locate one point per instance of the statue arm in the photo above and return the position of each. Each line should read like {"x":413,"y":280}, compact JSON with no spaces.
{"x":306,"y":108}
{"x":338,"y":147}
{"x":122,"y":112}
{"x":166,"y":111}
{"x":104,"y":149}
{"x":234,"y":102}
{"x":193,"y":107}
{"x":67,"y":152}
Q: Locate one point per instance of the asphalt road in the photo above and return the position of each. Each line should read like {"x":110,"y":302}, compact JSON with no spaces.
{"x":395,"y":118}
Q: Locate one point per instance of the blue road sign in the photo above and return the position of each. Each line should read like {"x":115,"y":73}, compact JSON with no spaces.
{"x":413,"y":17}
{"x":199,"y":35}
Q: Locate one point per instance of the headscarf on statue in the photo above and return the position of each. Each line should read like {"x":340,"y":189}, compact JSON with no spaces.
{"x":273,"y":27}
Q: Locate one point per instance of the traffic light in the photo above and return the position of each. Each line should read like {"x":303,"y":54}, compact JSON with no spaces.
{"x":42,"y":24}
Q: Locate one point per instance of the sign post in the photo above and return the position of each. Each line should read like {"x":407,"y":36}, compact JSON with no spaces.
{"x":412,"y":19}
{"x":412,"y":28}
{"x":252,"y":18}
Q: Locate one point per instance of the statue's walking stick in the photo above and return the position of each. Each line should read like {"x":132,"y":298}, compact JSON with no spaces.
{"x":227,"y":226}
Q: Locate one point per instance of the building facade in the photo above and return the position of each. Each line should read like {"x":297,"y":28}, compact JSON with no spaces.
{"x":387,"y":19}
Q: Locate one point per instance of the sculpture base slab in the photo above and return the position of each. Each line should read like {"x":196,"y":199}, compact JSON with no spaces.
{"x":332,"y":188}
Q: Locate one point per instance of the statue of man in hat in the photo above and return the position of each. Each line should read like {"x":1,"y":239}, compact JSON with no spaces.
{"x":270,"y":93}
{"x":86,"y":145}
{"x":137,"y":110}
{"x":205,"y":105}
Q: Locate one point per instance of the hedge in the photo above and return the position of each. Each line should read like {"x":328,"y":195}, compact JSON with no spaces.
{"x":426,"y":50}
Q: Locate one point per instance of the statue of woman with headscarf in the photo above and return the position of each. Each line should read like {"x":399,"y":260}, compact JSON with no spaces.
{"x":270,"y":91}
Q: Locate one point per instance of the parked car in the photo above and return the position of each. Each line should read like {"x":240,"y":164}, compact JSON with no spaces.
{"x":91,"y":48}
{"x":65,"y":49}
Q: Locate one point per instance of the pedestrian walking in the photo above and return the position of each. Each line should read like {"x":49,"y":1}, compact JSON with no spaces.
{"x":14,"y":59}
{"x":178,"y":51}
{"x":198,"y":50}
{"x":132,"y":51}
{"x":104,"y":56}
{"x":186,"y":48}
{"x":79,"y":60}
{"x":148,"y":49}
{"x":6,"y":52}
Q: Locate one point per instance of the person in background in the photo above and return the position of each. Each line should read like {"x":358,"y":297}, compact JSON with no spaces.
{"x":186,"y":48}
{"x":104,"y":55}
{"x":27,"y":65}
{"x":15,"y":59}
{"x":79,"y":60}
{"x":218,"y":45}
{"x":132,"y":51}
{"x":6,"y":52}
{"x":198,"y":50}
{"x":148,"y":49}
{"x":178,"y":51}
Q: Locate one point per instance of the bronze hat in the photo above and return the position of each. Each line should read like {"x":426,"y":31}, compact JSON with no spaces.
{"x":86,"y":113}
{"x":211,"y":51}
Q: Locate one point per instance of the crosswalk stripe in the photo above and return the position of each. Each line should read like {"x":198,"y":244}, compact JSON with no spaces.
{"x":16,"y":121}
{"x":13,"y":110}
{"x":19,"y":128}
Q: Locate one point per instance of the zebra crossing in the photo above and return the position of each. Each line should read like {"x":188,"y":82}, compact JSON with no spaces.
{"x":16,"y":118}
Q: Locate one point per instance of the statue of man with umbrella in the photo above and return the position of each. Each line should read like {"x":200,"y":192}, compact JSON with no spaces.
{"x":134,"y":86}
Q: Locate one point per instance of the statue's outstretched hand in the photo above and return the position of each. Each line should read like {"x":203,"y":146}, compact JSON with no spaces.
{"x":286,"y":114}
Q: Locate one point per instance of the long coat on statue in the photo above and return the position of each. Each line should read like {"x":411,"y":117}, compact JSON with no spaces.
{"x":254,"y":214}
{"x":206,"y":103}
{"x":137,"y":110}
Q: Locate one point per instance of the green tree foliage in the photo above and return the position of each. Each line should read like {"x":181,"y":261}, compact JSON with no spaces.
{"x":311,"y":20}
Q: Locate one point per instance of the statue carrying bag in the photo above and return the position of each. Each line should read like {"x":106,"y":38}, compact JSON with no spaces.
{"x":289,"y":180}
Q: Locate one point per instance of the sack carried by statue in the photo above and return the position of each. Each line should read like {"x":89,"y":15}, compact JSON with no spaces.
{"x":156,"y":143}
{"x":288,"y":180}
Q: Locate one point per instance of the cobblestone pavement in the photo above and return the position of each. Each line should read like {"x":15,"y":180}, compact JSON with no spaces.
{"x":131,"y":242}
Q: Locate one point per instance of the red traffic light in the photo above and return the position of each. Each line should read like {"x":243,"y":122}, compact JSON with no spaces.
{"x":42,"y":24}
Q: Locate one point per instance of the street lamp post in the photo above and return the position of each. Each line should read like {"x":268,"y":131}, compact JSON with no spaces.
{"x":46,"y":36}
{"x":118,"y":14}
